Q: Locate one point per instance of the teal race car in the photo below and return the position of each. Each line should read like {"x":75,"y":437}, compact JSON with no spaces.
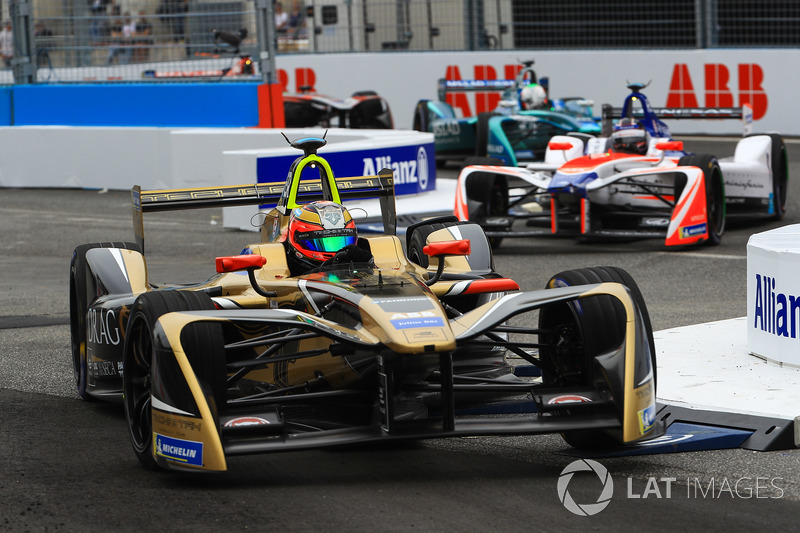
{"x":516,"y":132}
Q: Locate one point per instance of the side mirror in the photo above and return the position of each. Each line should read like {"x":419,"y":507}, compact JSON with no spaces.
{"x":559,"y":146}
{"x":250,"y":262}
{"x":442,"y":249}
{"x":673,"y":146}
{"x":436,"y":249}
{"x":234,"y":263}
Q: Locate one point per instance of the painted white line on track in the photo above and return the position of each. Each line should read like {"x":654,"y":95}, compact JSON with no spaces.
{"x":702,"y":255}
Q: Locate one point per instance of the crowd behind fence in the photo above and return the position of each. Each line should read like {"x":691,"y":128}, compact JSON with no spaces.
{"x":113,"y":40}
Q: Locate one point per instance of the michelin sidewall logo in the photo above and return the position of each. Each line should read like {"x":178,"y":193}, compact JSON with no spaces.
{"x":585,"y":509}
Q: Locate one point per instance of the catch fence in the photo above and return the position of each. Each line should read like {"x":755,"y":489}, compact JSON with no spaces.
{"x":193,"y":40}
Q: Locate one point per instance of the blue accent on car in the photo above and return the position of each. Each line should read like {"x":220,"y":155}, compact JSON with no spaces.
{"x":571,"y":183}
{"x":691,"y":231}
{"x":179,"y":450}
{"x":638,"y":106}
{"x":427,"y":322}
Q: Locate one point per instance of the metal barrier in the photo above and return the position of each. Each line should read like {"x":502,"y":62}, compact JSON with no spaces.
{"x":122,"y":40}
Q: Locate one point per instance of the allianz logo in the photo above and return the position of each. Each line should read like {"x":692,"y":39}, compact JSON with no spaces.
{"x":775,"y":312}
{"x":408,"y":171}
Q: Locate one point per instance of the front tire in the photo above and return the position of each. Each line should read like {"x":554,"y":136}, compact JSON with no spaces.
{"x":588,"y":328}
{"x":780,"y":175}
{"x":715,"y":194}
{"x":203,"y":348}
{"x":487,"y":194}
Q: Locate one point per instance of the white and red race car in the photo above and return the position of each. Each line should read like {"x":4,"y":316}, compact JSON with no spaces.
{"x":598,"y":187}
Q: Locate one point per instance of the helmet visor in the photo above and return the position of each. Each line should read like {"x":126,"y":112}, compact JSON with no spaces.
{"x":327,"y":240}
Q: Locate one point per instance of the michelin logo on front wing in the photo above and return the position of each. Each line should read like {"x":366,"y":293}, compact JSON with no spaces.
{"x":178,"y":450}
{"x":692,"y":231}
{"x":411,"y":171}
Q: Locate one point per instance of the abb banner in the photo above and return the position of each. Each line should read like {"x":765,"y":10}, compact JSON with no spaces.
{"x":717,"y":88}
{"x":690,"y":78}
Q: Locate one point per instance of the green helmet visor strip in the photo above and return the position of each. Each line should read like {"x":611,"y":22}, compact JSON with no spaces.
{"x":326,"y":240}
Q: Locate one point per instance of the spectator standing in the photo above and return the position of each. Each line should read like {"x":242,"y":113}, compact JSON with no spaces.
{"x":98,"y":27}
{"x":143,"y":31}
{"x":42,"y":39}
{"x":7,"y":43}
{"x":281,"y":19}
{"x":297,"y":21}
{"x":173,"y":15}
{"x":122,"y":38}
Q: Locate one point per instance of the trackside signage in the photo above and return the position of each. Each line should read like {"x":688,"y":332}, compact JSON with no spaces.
{"x":773,"y":295}
{"x":680,"y":79}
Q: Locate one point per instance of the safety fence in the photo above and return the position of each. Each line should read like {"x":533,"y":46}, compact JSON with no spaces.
{"x":193,"y":40}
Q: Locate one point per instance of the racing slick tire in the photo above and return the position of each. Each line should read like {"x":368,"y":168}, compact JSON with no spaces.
{"x":482,"y":133}
{"x":203,"y":344}
{"x":481,"y":259}
{"x":715,"y":194}
{"x":780,"y":175}
{"x":488,"y":192}
{"x":80,"y":296}
{"x":421,"y":119}
{"x":598,"y":324}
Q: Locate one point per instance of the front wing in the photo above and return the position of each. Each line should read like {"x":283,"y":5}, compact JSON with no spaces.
{"x":192,"y":431}
{"x":648,"y":209}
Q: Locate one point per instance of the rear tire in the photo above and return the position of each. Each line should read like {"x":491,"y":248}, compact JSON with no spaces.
{"x":421,"y":118}
{"x":715,"y":194}
{"x":482,"y":133}
{"x":480,"y":258}
{"x":419,"y":239}
{"x":488,"y":191}
{"x":204,"y":347}
{"x":597,"y":325}
{"x":80,"y":297}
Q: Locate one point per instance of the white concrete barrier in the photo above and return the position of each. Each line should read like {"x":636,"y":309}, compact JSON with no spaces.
{"x":165,"y":158}
{"x":773,"y":295}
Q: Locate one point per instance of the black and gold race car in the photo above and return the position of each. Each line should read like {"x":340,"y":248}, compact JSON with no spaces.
{"x":422,"y":340}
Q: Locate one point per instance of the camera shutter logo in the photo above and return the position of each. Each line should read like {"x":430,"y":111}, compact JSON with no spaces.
{"x":586,"y":509}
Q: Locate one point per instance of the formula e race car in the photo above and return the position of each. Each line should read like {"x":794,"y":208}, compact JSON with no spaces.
{"x":370,"y":347}
{"x":362,"y":110}
{"x":636,"y":182}
{"x":517,"y":131}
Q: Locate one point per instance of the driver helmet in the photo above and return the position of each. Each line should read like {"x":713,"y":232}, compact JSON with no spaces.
{"x":629,"y":138}
{"x":318,"y":230}
{"x":532,"y":96}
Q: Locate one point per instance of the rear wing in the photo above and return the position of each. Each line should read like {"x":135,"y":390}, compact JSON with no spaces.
{"x":274,"y":193}
{"x":745,"y":113}
{"x":446,"y":87}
